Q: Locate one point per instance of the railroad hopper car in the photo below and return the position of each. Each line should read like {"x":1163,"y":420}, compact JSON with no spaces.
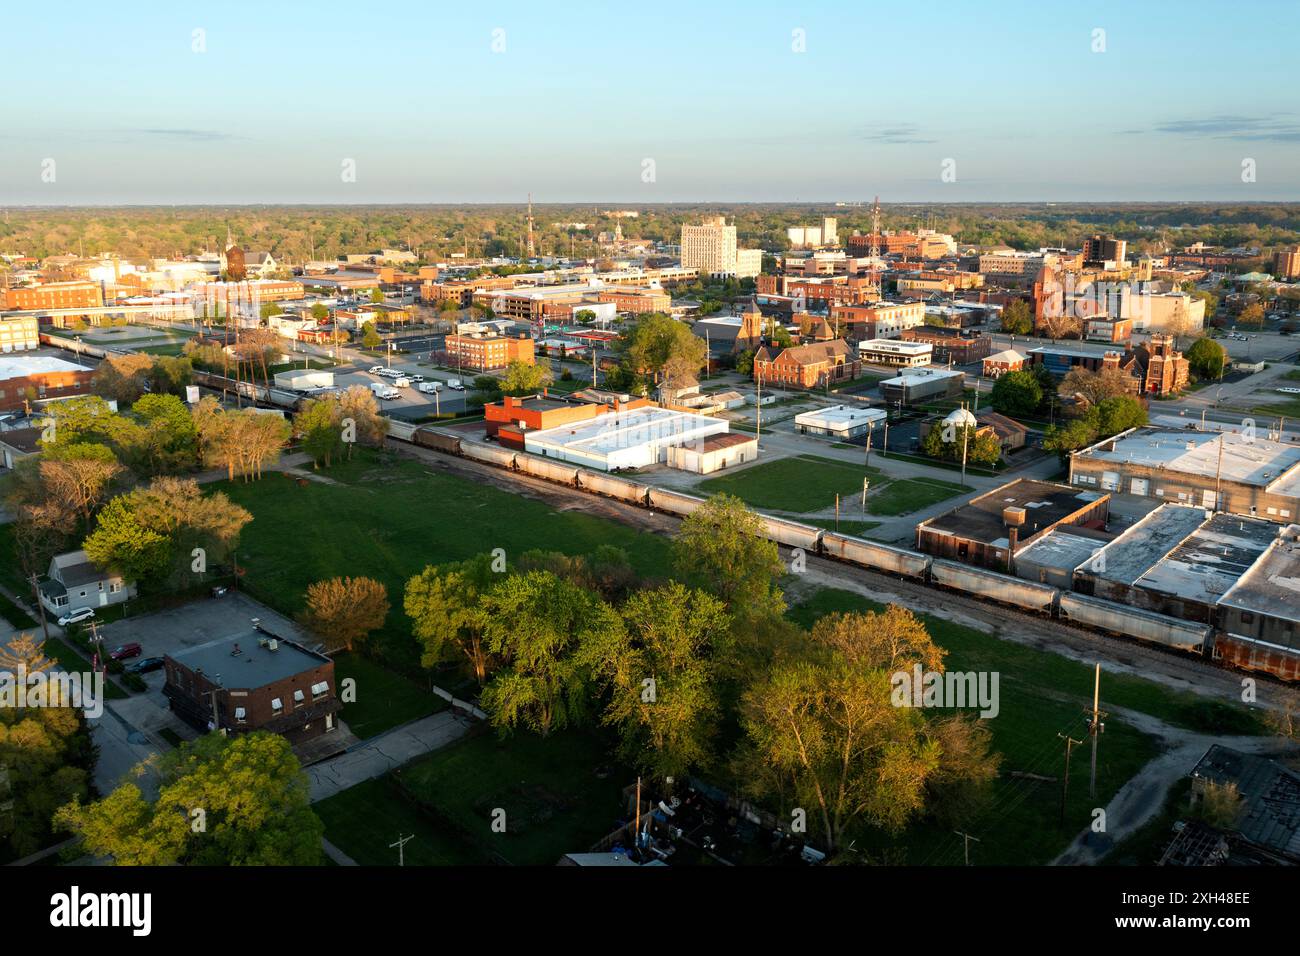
{"x":876,"y":556}
{"x":1135,"y":622}
{"x":792,"y":534}
{"x":489,"y":454}
{"x":996,"y":587}
{"x":558,"y":471}
{"x":613,"y":487}
{"x":674,"y":502}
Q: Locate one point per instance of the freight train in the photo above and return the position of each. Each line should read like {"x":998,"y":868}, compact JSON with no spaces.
{"x":1199,"y":639}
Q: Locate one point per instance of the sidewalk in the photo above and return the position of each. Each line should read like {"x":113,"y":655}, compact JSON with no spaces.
{"x":377,"y":756}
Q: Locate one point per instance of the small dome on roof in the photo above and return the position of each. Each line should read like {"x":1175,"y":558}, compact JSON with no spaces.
{"x":961,"y":418}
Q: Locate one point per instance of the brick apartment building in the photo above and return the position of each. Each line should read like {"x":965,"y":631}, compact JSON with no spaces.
{"x":843,"y":290}
{"x":880,"y":320}
{"x":253,"y":682}
{"x":637,"y":301}
{"x":807,"y":366}
{"x":947,"y":347}
{"x":483,"y":352}
{"x":54,"y":295}
{"x":39,"y":377}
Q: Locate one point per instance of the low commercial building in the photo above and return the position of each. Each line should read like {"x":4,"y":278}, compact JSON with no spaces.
{"x":990,"y":530}
{"x":17,"y":444}
{"x":632,"y":438}
{"x":1178,"y":560}
{"x":301,"y":380}
{"x":927,"y":384}
{"x":53,"y":295}
{"x":841,"y":422}
{"x":75,"y":582}
{"x":713,"y":453}
{"x":254,"y":681}
{"x":879,"y":320}
{"x":1053,"y":558}
{"x":1103,"y":328}
{"x":1259,"y":616}
{"x":895,"y":353}
{"x":510,"y":419}
{"x":33,"y":378}
{"x":1242,"y":473}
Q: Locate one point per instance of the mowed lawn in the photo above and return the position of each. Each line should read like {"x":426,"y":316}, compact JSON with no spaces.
{"x":802,"y":483}
{"x":806,"y":483}
{"x":384,"y":700}
{"x":557,"y":795}
{"x":388,"y":518}
{"x":1040,"y":695}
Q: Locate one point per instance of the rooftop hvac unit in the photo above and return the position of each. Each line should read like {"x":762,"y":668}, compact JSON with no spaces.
{"x":1014,"y":516}
{"x":273,"y":645}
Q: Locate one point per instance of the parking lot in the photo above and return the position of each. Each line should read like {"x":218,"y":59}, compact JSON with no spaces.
{"x":201,"y":621}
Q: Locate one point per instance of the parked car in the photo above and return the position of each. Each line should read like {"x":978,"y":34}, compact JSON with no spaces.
{"x":416,"y":378}
{"x":376,"y":370}
{"x":125,"y":651}
{"x":77,"y":616}
{"x":219,"y":591}
{"x":144,"y":665}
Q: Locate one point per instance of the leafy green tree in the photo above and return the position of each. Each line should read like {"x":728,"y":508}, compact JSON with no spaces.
{"x":1252,"y":315}
{"x":270,"y":309}
{"x":723,"y":547}
{"x":121,"y":542}
{"x":343,"y":611}
{"x":981,"y":445}
{"x":319,"y":312}
{"x":659,"y":347}
{"x":1071,"y":436}
{"x":369,"y":337}
{"x":1206,"y":358}
{"x":1119,"y":414}
{"x":251,"y":791}
{"x":523,"y":378}
{"x":1017,"y":318}
{"x":661,"y":670}
{"x":537,"y":624}
{"x":321,"y":429}
{"x":169,"y":438}
{"x":377,"y":296}
{"x":1016,"y":394}
{"x":445,"y":606}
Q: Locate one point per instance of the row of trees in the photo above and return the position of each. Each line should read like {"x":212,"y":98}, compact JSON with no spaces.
{"x":559,"y":642}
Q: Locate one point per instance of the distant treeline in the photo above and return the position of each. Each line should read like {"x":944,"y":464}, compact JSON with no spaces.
{"x":295,"y":234}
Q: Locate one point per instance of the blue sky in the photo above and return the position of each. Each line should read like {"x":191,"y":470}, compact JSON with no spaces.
{"x":583,"y":94}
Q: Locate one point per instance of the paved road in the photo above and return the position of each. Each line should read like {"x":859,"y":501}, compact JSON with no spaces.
{"x":378,"y":755}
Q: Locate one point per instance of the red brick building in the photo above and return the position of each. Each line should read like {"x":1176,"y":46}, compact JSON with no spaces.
{"x":253,"y":682}
{"x":484,"y":352}
{"x":38,"y":377}
{"x":55,"y":295}
{"x":807,"y":366}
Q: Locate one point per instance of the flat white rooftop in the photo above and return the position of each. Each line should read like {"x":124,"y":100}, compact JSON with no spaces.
{"x":840,"y":416}
{"x":1258,"y":462}
{"x":617,"y":430}
{"x":896,"y":346}
{"x":22,"y":366}
{"x":927,"y":373}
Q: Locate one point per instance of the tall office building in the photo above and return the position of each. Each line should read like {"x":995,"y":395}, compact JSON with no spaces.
{"x":711,"y":248}
{"x":1100,"y":249}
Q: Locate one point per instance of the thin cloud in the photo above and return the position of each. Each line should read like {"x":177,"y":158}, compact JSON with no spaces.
{"x":902,"y":134}
{"x":194,"y":135}
{"x":1245,"y":128}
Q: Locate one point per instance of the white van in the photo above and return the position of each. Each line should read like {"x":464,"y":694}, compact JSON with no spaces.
{"x":428,"y":388}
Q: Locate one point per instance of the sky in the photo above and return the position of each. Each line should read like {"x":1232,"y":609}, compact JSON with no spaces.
{"x":641,"y":102}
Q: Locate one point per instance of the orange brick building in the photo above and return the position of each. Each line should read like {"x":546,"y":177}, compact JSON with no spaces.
{"x":637,"y":301}
{"x":38,"y":377}
{"x":55,"y":295}
{"x":484,"y":352}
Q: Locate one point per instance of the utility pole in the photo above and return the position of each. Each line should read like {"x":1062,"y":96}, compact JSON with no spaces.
{"x":966,"y":838}
{"x":837,"y":511}
{"x":758,"y":405}
{"x":1070,"y":742}
{"x":401,"y":847}
{"x":1095,"y":728}
{"x":871,"y":427}
{"x":866,"y":483}
{"x":40,"y":608}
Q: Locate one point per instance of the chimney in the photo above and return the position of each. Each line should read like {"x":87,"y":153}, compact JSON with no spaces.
{"x":1014,"y":535}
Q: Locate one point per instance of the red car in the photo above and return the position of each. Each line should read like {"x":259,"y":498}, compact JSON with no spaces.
{"x":125,"y":651}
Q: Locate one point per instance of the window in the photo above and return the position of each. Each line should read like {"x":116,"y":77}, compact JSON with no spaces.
{"x":1247,"y":617}
{"x":319,"y":689}
{"x":276,"y":704}
{"x":115,"y":587}
{"x":298,"y":697}
{"x":240,"y":714}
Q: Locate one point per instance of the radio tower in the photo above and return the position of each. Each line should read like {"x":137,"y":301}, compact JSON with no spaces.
{"x":531,"y":249}
{"x":875,"y":245}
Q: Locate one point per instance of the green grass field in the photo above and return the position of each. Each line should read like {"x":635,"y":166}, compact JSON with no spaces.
{"x":807,"y":483}
{"x":364,"y":820}
{"x":554,"y":802}
{"x":388,"y":518}
{"x":846,"y":525}
{"x":384,"y":699}
{"x":1040,"y":695}
{"x":803,"y":483}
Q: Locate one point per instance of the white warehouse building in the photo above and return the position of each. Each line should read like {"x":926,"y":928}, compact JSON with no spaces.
{"x":840,"y":421}
{"x":625,"y":439}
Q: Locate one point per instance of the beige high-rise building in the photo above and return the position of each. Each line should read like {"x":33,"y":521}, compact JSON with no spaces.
{"x":711,"y":248}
